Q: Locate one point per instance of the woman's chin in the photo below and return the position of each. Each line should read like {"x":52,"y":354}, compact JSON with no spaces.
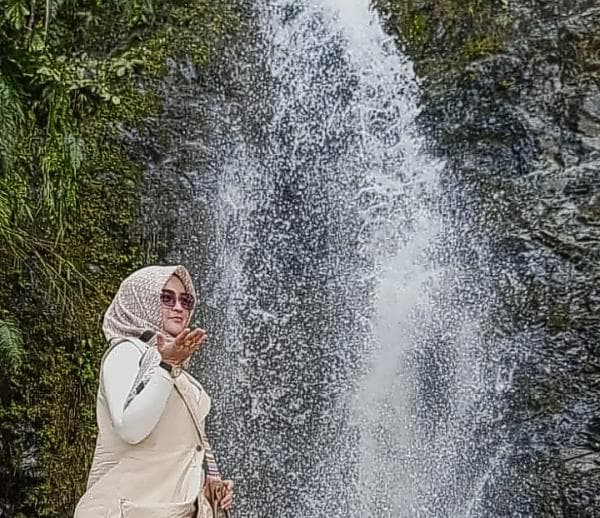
{"x":174,"y":330}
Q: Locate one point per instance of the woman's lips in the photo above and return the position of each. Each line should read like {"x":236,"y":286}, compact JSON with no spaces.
{"x":177,"y":319}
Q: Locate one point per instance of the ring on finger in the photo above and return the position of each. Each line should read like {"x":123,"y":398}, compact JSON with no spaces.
{"x":189,"y":343}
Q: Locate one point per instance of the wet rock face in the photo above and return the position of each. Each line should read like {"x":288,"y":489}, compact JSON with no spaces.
{"x":520,"y":130}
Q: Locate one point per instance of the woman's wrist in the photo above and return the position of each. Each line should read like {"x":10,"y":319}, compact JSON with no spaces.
{"x":171,"y":361}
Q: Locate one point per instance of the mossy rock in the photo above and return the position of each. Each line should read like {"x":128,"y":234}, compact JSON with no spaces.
{"x":58,"y":297}
{"x":447,"y":34}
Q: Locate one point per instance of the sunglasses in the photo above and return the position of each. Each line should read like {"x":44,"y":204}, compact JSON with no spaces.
{"x":169,"y":299}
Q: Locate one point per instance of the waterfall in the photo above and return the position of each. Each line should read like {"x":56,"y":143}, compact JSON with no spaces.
{"x":353,"y":368}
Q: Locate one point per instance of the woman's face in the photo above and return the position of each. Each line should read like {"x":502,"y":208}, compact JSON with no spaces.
{"x":174,"y":319}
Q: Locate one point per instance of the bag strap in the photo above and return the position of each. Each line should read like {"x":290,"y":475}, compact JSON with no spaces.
{"x":210,"y":467}
{"x":213,"y":476}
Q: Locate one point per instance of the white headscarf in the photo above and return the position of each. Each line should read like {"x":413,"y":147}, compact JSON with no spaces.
{"x":136,"y":307}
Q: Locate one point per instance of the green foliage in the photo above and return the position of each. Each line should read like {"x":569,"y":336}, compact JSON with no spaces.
{"x":11,"y":347}
{"x":58,"y":91}
{"x":137,"y":11}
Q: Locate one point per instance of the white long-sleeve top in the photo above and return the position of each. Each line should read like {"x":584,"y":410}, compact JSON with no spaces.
{"x":119,"y":370}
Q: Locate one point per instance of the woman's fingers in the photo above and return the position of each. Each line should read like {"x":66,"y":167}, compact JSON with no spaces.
{"x":196,"y":335}
{"x":187,"y":337}
{"x":183,"y":345}
{"x":160,"y":342}
{"x":181,"y":337}
{"x":227,"y":500}
{"x":195,"y":339}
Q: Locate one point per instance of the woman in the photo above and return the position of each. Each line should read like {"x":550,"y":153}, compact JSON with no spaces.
{"x":152,"y":459}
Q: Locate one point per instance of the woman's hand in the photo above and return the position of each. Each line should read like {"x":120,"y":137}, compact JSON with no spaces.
{"x":175,"y":351}
{"x":226,"y":493}
{"x":227,"y":500}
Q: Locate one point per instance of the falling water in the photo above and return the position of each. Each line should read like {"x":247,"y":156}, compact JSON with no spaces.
{"x":352,"y":369}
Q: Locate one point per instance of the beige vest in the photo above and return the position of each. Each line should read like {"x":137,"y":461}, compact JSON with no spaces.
{"x":160,"y":477}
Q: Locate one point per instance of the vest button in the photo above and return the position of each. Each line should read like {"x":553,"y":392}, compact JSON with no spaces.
{"x":198,"y":448}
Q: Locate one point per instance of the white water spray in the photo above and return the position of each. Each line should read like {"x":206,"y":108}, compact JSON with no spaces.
{"x":355,"y":371}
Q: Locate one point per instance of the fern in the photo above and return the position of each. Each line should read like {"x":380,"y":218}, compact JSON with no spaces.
{"x":13,"y":186}
{"x":137,"y":12}
{"x":5,"y":208}
{"x":62,"y":157}
{"x":12,"y":352}
{"x":12,"y":120}
{"x":63,"y":282}
{"x":14,"y":211}
{"x":16,"y":13}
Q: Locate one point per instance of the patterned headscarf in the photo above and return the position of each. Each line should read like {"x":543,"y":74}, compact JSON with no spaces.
{"x":136,"y":307}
